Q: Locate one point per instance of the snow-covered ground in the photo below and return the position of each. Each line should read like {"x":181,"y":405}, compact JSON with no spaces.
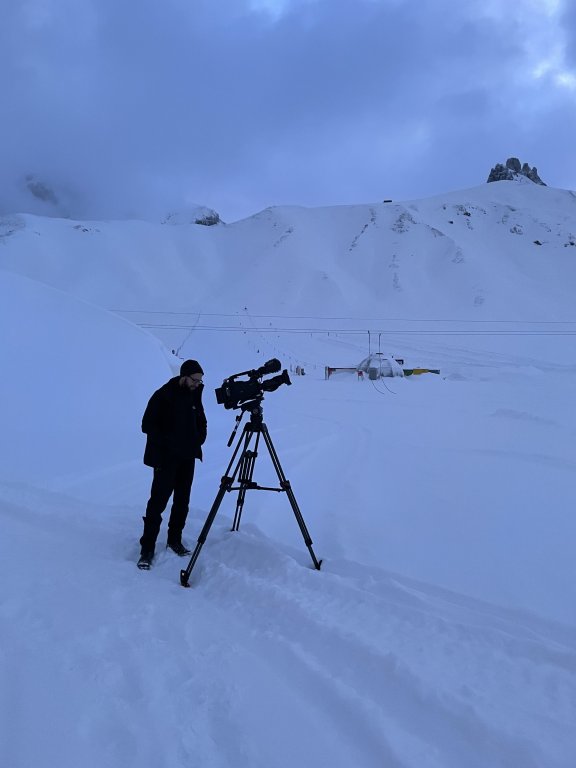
{"x":441,"y":630}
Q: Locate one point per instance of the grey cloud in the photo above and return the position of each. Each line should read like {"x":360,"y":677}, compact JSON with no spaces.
{"x":136,"y":106}
{"x":568,"y":23}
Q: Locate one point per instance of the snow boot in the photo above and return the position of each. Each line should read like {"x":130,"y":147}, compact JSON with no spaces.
{"x":145,"y":561}
{"x":178,"y":547}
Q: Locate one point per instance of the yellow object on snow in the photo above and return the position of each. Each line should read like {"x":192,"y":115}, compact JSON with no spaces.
{"x":418,"y":371}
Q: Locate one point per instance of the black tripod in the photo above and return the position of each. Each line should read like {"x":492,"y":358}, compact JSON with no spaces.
{"x":244,"y":469}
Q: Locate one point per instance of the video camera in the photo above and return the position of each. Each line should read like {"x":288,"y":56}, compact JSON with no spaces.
{"x":232,"y":393}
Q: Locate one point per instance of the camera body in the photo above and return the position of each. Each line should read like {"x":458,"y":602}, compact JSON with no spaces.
{"x":233,"y":394}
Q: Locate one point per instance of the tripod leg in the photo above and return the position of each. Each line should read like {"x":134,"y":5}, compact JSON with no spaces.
{"x":245,"y":474}
{"x":225,"y":485}
{"x":285,"y":485}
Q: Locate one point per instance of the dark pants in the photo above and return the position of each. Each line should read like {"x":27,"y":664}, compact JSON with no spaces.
{"x":174,"y":479}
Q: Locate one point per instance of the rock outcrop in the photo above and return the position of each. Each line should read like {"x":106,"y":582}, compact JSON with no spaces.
{"x":195,"y":214}
{"x":513,"y":170}
{"x":38,"y":197}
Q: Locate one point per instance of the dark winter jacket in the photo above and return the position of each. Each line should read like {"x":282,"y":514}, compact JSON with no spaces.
{"x":175,"y":424}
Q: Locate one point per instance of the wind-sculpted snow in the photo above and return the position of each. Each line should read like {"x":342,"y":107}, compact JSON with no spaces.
{"x":264,"y":661}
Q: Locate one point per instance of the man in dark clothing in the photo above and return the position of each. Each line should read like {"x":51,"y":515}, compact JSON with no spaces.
{"x":175,"y":425}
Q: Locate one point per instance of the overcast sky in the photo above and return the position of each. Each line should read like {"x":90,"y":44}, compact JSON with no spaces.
{"x":129,"y":107}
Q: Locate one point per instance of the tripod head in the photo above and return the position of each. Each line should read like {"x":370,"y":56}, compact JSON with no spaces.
{"x":254,"y":408}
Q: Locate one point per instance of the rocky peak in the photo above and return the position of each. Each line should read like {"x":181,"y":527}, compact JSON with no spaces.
{"x":513,"y":170}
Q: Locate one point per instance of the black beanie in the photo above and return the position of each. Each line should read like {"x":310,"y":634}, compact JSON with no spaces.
{"x":189,"y":367}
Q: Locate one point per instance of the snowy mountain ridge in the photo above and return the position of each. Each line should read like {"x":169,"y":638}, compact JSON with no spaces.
{"x":489,"y":240}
